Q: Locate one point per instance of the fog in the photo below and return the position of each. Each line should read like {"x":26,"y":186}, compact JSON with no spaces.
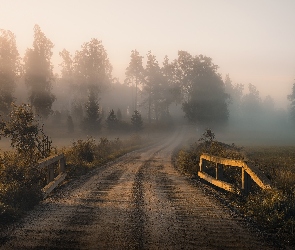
{"x":252,"y":119}
{"x":228,"y":66}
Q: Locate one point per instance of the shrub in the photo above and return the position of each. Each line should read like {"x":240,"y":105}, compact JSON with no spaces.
{"x":20,"y":180}
{"x":20,"y":185}
{"x":136,"y":121}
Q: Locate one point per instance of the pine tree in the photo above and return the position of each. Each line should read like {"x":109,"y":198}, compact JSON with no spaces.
{"x":112,"y":121}
{"x":92,"y":120}
{"x":136,"y":121}
{"x":119,"y":114}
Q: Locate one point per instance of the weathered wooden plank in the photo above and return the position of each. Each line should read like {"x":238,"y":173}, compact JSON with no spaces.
{"x":223,"y":161}
{"x":52,"y":185}
{"x":218,"y":183}
{"x":52,"y":159}
{"x":257,"y":176}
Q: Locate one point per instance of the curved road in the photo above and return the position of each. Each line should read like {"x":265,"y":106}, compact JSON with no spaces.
{"x":137,"y":202}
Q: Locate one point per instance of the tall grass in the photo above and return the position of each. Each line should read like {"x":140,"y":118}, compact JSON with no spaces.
{"x":272,"y":210}
{"x":21,"y":184}
{"x":85,"y":155}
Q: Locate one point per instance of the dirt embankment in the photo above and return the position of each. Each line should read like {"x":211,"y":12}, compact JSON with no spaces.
{"x":139,"y":202}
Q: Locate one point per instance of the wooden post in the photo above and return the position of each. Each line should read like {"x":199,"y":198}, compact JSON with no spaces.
{"x":219,"y":172}
{"x":200,"y":164}
{"x":62,"y":165}
{"x":50,"y":173}
{"x":246,"y":181}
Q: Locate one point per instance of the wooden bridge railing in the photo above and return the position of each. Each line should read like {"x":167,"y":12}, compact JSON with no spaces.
{"x":249,"y":173}
{"x":52,"y":180}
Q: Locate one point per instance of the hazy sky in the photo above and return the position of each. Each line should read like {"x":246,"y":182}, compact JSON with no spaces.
{"x":253,"y":41}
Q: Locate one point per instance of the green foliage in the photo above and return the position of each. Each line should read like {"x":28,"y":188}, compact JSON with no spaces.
{"x":38,"y":73}
{"x":82,"y":151}
{"x":135,"y":73}
{"x":82,"y":156}
{"x":187,"y":159}
{"x":92,"y":68}
{"x":19,"y":178}
{"x":119,"y":114}
{"x":26,"y":135}
{"x":20,"y":184}
{"x":112,"y":121}
{"x":9,"y":69}
{"x":273,"y":210}
{"x":204,"y":95}
{"x":136,"y":121}
{"x":92,"y":120}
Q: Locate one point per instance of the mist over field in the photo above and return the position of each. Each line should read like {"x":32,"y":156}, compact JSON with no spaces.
{"x":113,"y":68}
{"x":117,"y":104}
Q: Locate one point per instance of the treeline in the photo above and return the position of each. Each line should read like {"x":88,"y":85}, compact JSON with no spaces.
{"x":86,"y":95}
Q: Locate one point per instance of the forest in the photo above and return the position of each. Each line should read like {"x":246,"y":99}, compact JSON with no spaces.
{"x":85,"y":101}
{"x":86,"y":98}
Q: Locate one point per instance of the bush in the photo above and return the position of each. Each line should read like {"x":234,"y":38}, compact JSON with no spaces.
{"x":85,"y":155}
{"x":188,"y":159}
{"x":20,"y":180}
{"x":21,"y":185}
{"x":273,"y":210}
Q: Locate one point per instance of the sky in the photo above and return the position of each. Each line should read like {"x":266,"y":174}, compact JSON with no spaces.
{"x":253,"y":41}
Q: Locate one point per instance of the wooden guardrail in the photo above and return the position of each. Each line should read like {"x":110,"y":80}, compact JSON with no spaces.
{"x":249,"y":173}
{"x":52,"y":180}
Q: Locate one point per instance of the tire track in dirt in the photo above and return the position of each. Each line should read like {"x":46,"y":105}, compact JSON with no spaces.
{"x":63,"y":222}
{"x":137,"y":202}
{"x":175,"y":215}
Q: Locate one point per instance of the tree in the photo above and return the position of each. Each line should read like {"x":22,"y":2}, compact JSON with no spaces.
{"x":135,"y":73}
{"x":92,"y":120}
{"x":92,"y":72}
{"x":26,"y":135}
{"x":235,"y":92}
{"x":38,"y":73}
{"x":153,"y":87}
{"x":203,"y":91}
{"x":119,"y":114}
{"x":136,"y":121}
{"x":112,"y":121}
{"x":9,"y":69}
{"x":92,"y":69}
{"x":251,"y":102}
{"x":66,"y":65}
{"x":172,"y":86}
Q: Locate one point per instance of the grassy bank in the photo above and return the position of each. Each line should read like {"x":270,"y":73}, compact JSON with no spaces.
{"x":21,"y":185}
{"x":273,"y":210}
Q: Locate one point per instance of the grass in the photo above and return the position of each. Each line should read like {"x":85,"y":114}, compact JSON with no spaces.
{"x":273,"y":210}
{"x":21,"y":185}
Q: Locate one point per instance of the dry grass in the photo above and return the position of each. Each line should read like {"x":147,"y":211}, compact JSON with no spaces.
{"x":272,"y":210}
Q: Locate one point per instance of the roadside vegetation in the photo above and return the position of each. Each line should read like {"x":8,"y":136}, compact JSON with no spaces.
{"x":21,"y":181}
{"x":273,"y":211}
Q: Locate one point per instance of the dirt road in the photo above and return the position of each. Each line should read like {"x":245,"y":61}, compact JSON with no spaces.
{"x":139,"y":202}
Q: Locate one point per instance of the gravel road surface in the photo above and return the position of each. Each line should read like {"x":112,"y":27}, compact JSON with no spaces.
{"x":138,"y":202}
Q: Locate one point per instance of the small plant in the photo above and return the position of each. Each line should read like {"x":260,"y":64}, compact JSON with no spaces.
{"x":20,"y":179}
{"x":26,"y":135}
{"x":112,"y":121}
{"x":136,"y":121}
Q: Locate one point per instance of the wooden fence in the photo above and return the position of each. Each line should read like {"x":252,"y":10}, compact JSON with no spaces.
{"x":52,"y":180}
{"x":249,"y":173}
